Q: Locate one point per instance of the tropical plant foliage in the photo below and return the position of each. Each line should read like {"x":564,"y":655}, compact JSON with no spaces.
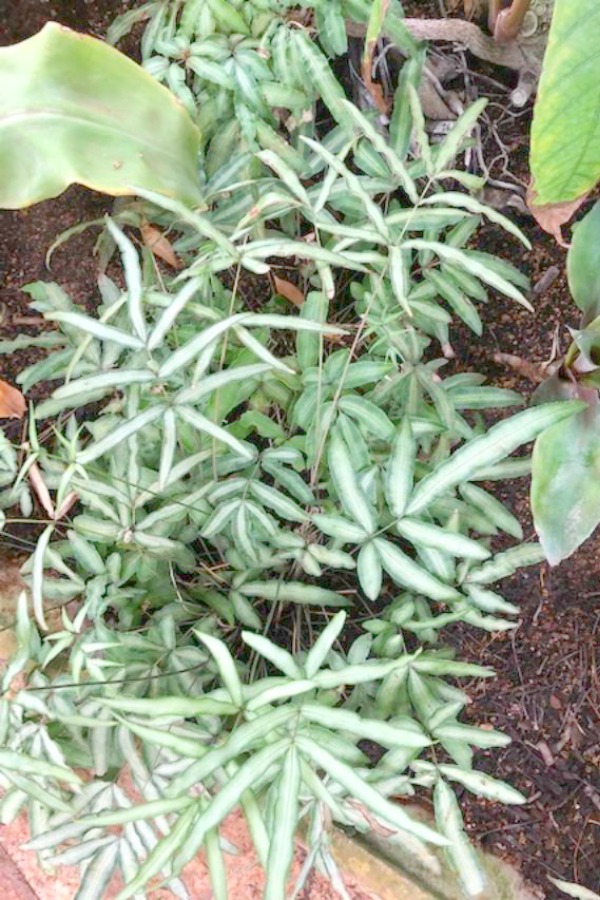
{"x":73,"y":109}
{"x":565,"y":145}
{"x":245,"y":474}
{"x":564,"y":492}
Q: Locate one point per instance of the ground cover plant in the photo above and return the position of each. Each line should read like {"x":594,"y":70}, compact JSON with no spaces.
{"x":256,"y":470}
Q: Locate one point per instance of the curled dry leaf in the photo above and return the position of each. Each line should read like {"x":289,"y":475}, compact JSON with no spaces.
{"x":373,"y":33}
{"x":289,"y":291}
{"x":12,"y":402}
{"x":552,"y":216}
{"x":39,"y":486}
{"x":159,"y":245}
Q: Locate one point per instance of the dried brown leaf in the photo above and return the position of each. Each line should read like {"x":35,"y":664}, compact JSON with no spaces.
{"x":288,"y":290}
{"x":375,"y":90}
{"x":12,"y":402}
{"x":159,"y":245}
{"x":552,"y":216}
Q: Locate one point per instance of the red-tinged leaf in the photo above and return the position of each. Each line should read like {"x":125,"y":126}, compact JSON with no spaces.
{"x":69,"y":501}
{"x":12,"y":402}
{"x":41,"y":491}
{"x":289,"y":291}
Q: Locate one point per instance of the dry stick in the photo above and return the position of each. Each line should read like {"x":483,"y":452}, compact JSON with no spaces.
{"x":460,"y":32}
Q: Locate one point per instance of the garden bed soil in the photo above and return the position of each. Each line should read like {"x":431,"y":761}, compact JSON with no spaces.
{"x":547,"y":692}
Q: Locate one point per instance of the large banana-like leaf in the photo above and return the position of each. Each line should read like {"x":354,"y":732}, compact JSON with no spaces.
{"x":565,"y":139}
{"x":74,"y":110}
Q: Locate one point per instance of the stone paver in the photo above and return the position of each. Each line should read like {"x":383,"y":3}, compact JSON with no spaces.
{"x":13,"y":884}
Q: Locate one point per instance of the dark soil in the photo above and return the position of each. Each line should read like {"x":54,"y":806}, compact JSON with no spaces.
{"x":547,"y":692}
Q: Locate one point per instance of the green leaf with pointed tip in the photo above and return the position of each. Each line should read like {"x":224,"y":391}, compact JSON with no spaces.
{"x":74,"y":110}
{"x":486,"y":450}
{"x":565,"y":138}
{"x":565,"y":487}
{"x":582,"y":264}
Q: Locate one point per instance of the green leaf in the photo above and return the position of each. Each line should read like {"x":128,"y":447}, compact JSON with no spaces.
{"x":201,"y":423}
{"x":388,"y":734}
{"x":279,"y":657}
{"x":352,"y":497}
{"x":473,"y":265}
{"x":500,"y":441}
{"x":120,"y":434}
{"x":161,"y":855}
{"x":37,"y":576}
{"x":399,"y":477}
{"x":504,"y":564}
{"x":582,"y":264}
{"x":465,"y":201}
{"x":337,"y":527}
{"x":229,"y":796}
{"x":368,"y":567}
{"x":226,"y":665}
{"x":99,"y":873}
{"x":461,"y":853}
{"x":409,"y":574}
{"x":278,"y":502}
{"x":362,"y":791}
{"x":81,"y":109}
{"x":574,"y":890}
{"x":418,"y":532}
{"x":184,"y":707}
{"x":565,"y":137}
{"x":565,"y":486}
{"x":293,"y":592}
{"x":368,"y":416}
{"x":318,"y":652}
{"x":281,"y":851}
{"x":308,"y":345}
{"x":483,"y":785}
{"x":24,"y":764}
{"x":104,"y":381}
{"x":237,"y":742}
{"x":96,"y":329}
{"x":494,"y":511}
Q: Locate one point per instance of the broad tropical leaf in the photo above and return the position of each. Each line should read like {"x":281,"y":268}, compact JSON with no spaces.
{"x":74,"y":110}
{"x":565,"y":488}
{"x":565,"y":140}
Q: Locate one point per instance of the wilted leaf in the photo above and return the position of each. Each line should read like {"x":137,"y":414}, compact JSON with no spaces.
{"x":12,"y":402}
{"x":74,"y":110}
{"x":552,"y":216}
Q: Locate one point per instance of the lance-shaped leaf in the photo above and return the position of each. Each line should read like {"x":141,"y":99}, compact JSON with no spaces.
{"x":74,"y":110}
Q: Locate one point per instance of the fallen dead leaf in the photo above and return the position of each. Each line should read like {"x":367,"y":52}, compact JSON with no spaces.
{"x":159,"y":245}
{"x":374,"y":90}
{"x":288,"y":290}
{"x":12,"y":402}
